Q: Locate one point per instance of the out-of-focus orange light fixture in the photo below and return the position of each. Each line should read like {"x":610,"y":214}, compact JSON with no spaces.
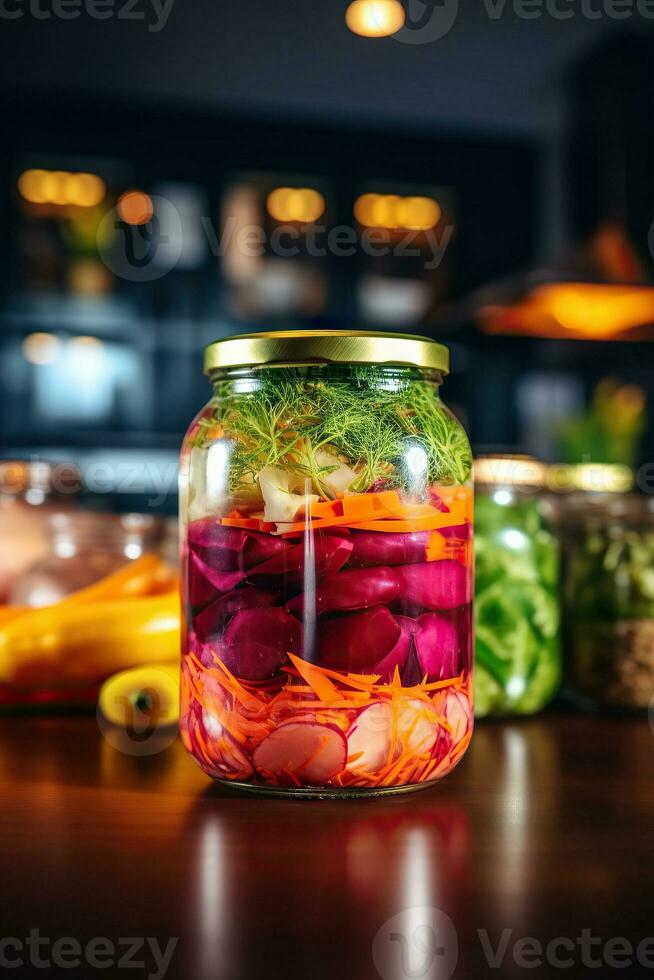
{"x":41,"y":348}
{"x":395,"y":212}
{"x":135,"y":207}
{"x":375,"y":18}
{"x":578,"y":310}
{"x":61,"y":188}
{"x":301,"y":204}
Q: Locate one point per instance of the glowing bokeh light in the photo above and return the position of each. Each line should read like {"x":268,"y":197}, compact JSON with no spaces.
{"x":135,"y":207}
{"x":393,"y":211}
{"x":302,"y":204}
{"x":375,"y":18}
{"x":61,"y":188}
{"x":40,"y":348}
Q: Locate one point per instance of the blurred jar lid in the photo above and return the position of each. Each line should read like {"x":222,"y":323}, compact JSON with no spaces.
{"x":590,"y":478}
{"x":505,"y":470}
{"x":36,"y":479}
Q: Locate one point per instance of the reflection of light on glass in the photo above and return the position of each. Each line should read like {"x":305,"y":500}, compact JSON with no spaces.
{"x":301,"y":204}
{"x":502,"y":497}
{"x":41,"y":348}
{"x":417,"y":460}
{"x":393,"y":211}
{"x":217,"y":468}
{"x":61,"y":188}
{"x":374,"y":18}
{"x":514,"y":539}
{"x":515,"y":687}
{"x":135,"y":207}
{"x":515,"y":798}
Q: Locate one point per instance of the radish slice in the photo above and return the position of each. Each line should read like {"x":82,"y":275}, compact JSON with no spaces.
{"x":443,"y":584}
{"x":313,"y":753}
{"x":369,"y":740}
{"x":437,"y":647}
{"x":456,"y":708}
{"x":418,"y":726}
{"x":352,"y":588}
{"x":356,"y":642}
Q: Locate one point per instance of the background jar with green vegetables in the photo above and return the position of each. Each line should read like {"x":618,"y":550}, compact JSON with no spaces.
{"x":517,"y":617}
{"x":609,"y":598}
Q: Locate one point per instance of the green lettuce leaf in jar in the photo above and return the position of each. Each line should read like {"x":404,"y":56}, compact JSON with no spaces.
{"x":517,"y":616}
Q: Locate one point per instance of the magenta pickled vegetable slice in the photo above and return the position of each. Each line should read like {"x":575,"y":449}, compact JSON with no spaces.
{"x":385,"y":548}
{"x":206,"y":580}
{"x":443,"y":584}
{"x":229,"y":548}
{"x":437,"y":647}
{"x":351,"y":588}
{"x":459,"y":532}
{"x":354,"y":643}
{"x":310,"y":752}
{"x":395,"y":658}
{"x":220,"y":546}
{"x":209,"y":623}
{"x":256,"y":642}
{"x":322,"y":555}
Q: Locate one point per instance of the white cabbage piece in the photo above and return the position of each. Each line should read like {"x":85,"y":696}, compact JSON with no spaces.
{"x":282,"y":501}
{"x":340,"y":478}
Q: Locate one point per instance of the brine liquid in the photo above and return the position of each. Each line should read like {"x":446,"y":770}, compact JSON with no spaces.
{"x":332,"y":658}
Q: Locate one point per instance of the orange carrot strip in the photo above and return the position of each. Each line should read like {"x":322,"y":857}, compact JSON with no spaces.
{"x":313,"y":675}
{"x":246,"y":523}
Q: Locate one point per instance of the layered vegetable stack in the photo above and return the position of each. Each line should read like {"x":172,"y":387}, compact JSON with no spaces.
{"x":328,"y":580}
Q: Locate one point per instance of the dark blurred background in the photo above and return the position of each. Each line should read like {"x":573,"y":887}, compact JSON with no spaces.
{"x":173,"y":174}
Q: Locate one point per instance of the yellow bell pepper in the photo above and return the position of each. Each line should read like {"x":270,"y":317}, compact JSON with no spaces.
{"x":82,"y":644}
{"x":143,"y":697}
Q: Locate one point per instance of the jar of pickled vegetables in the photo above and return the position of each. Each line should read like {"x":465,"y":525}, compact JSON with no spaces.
{"x":609,"y":599}
{"x":326,"y":535}
{"x":517,"y":648}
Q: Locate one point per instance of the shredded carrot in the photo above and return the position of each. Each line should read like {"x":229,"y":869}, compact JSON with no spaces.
{"x":321,"y":684}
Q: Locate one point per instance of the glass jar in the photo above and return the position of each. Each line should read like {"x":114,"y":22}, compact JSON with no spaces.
{"x":609,"y":599}
{"x":30,"y":492}
{"x":82,"y":548}
{"x":326,"y":532}
{"x":517,"y":618}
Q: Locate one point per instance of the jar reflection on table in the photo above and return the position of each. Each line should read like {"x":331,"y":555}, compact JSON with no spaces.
{"x":517,"y":648}
{"x":609,"y":598}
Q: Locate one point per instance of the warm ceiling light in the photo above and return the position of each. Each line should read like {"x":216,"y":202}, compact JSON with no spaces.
{"x":40,"y":348}
{"x":85,"y":342}
{"x":301,"y":204}
{"x":375,"y":18}
{"x":135,"y":207}
{"x":392,"y":211}
{"x":593,"y":311}
{"x":61,"y":188}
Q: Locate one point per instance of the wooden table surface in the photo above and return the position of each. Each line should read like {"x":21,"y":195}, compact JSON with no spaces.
{"x":545,"y":829}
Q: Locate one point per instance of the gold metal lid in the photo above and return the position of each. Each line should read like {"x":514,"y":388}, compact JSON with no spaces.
{"x":330,"y":346}
{"x":509,"y":471}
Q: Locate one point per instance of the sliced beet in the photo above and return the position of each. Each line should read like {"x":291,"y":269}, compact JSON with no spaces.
{"x":460,"y":531}
{"x":210,"y":621}
{"x":386,"y":548}
{"x":355,"y":643}
{"x":216,"y":544}
{"x":443,"y":584}
{"x":312,"y":753}
{"x":229,"y":548}
{"x":200,"y":590}
{"x":203,"y":575}
{"x":396,"y":658}
{"x":327,"y":554}
{"x":256,"y":642}
{"x":351,"y":588}
{"x":437,"y":647}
